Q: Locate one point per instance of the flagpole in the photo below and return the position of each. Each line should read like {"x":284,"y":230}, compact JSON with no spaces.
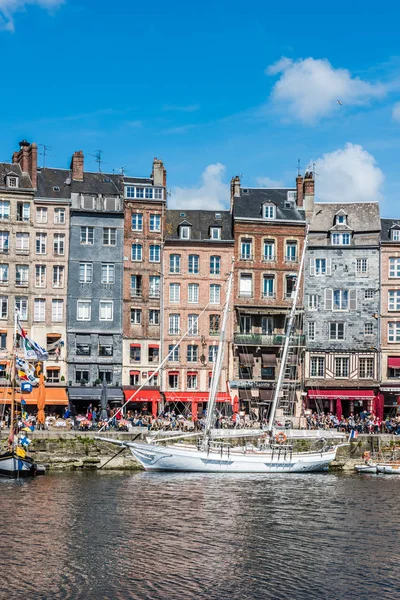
{"x":12,"y":375}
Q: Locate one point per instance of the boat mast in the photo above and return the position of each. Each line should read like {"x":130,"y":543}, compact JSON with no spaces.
{"x":218,"y":366}
{"x":12,"y":375}
{"x":289,"y":329}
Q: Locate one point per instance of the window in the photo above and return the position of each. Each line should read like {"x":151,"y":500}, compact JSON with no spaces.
{"x":153,"y":379}
{"x":340,"y":299}
{"x":394,"y":267}
{"x":341,"y":367}
{"x":320,"y":266}
{"x":41,"y":214}
{"x":317,"y":366}
{"x":269,"y":250}
{"x":158,"y":193}
{"x":136,"y":286}
{"x":313,"y":302}
{"x":40,"y":276}
{"x":215,"y":294}
{"x":291,"y":251}
{"x":366,"y":370}
{"x":174,"y":292}
{"x":361,"y":266}
{"x":173,"y":353}
{"x":245,"y":285}
{"x":214,"y":324}
{"x":21,"y":305}
{"x":136,"y":252}
{"x":340,"y":239}
{"x":154,"y":253}
{"x":53,"y":375}
{"x":81,"y":375}
{"x":85,"y":272}
{"x":134,"y":352}
{"x":12,"y":181}
{"x":174,"y":263}
{"x":39,"y":309}
{"x":336,"y":331}
{"x":173,"y":381}
{"x":87,"y":235}
{"x":41,"y":243}
{"x":269,"y":211}
{"x":395,"y":235}
{"x":215,"y":265}
{"x":193,"y":264}
{"x":106,"y":345}
{"x":4,"y":307}
{"x":137,"y":222}
{"x":290,"y":286}
{"x":4,"y":210}
{"x":368,"y":329}
{"x":340,"y":219}
{"x":174,"y":324}
{"x":106,"y":310}
{"x":394,"y":300}
{"x":193,"y":324}
{"x":21,"y":274}
{"x":59,"y":216}
{"x":134,"y":378}
{"x":394,"y":332}
{"x":22,"y":242}
{"x":311,"y":331}
{"x":368,"y":294}
{"x":155,"y":223}
{"x":267,"y":325}
{"x":192,"y":353}
{"x":268,"y":286}
{"x":3,"y":273}
{"x":59,"y":244}
{"x":193,"y":293}
{"x":23,"y":211}
{"x":57,"y":310}
{"x":215,"y":233}
{"x":105,"y":375}
{"x":245,"y":324}
{"x":154,"y":286}
{"x":192,"y":381}
{"x":143,"y":192}
{"x":246,"y":249}
{"x":107,"y":273}
{"x":212,"y":353}
{"x":154,"y":317}
{"x":136,"y":316}
{"x":4,"y":241}
{"x":154,"y":353}
{"x":83,"y":310}
{"x":184,"y":232}
{"x":109,"y":236}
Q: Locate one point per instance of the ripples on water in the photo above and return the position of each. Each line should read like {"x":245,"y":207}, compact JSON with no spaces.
{"x":192,"y":536}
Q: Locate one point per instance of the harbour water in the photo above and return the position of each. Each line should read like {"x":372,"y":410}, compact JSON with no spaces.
{"x":170,"y":536}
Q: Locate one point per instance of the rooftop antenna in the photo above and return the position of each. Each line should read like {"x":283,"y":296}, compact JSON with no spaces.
{"x":98,"y":158}
{"x":315,"y":174}
{"x":298,"y":167}
{"x":44,"y":153}
{"x":121,"y":169}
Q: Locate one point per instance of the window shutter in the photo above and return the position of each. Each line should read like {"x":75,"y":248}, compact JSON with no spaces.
{"x":312,"y":267}
{"x":353,"y":300}
{"x":328,"y":266}
{"x":328,"y":299}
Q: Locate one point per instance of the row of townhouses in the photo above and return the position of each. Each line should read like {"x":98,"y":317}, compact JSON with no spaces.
{"x":109,"y":280}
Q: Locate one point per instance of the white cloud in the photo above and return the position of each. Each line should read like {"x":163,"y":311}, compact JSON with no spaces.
{"x":211,"y":194}
{"x":308,"y":89}
{"x":348,"y":175}
{"x":8,"y":8}
{"x":396,"y":112}
{"x":268,"y":182}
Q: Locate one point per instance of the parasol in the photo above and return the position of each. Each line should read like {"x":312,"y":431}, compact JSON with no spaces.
{"x":41,"y":400}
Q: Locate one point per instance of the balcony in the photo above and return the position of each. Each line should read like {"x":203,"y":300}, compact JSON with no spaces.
{"x":21,"y":283}
{"x":4,"y":249}
{"x":154,"y":293}
{"x":21,"y":250}
{"x":174,"y":332}
{"x":245,"y":294}
{"x":260,"y":339}
{"x":270,"y":295}
{"x":136,"y":293}
{"x":292,"y":259}
{"x":269,"y":258}
{"x":246,"y":257}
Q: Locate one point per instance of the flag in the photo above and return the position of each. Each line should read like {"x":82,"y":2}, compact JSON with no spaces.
{"x":353,"y":435}
{"x":21,"y":452}
{"x":32,"y":350}
{"x":25,"y":371}
{"x":26,"y":387}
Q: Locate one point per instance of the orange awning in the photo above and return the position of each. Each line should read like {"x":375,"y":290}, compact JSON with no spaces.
{"x":54,"y":396}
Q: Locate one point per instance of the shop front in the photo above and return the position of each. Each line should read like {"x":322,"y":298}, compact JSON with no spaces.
{"x":256,"y":405}
{"x":194,"y":404}
{"x":145,"y":402}
{"x":344,"y":402}
{"x":56,"y":400}
{"x":81,"y":397}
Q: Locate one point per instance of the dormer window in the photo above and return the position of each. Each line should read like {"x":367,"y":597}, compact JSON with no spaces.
{"x":269,"y":211}
{"x":340,"y":239}
{"x":12,"y":181}
{"x":395,"y":235}
{"x":291,"y":196}
{"x":341,"y":219}
{"x":184,"y":232}
{"x":215,"y":233}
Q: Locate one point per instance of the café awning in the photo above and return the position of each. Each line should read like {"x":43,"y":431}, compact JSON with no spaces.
{"x":394,"y":362}
{"x":194,"y":396}
{"x":142,"y":395}
{"x":269,"y":360}
{"x":54,"y":396}
{"x":266,"y":395}
{"x":342,"y":394}
{"x":246,"y":360}
{"x":245,"y":395}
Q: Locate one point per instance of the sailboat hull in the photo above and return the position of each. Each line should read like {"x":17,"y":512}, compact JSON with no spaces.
{"x":185,"y":458}
{"x":12,"y":465}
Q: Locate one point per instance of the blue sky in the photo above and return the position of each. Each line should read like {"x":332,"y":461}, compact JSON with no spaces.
{"x":214,"y":88}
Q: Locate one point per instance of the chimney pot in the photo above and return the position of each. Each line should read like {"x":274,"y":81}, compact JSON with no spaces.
{"x":300,"y":193}
{"x":77,"y":164}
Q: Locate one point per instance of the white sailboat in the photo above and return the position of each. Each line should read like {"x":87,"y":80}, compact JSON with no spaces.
{"x":271,"y":455}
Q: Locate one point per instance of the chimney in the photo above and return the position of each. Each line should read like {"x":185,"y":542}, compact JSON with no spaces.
{"x":309,"y":192}
{"x":26,"y":158}
{"x":77,"y":166}
{"x":299,"y":188}
{"x":159,"y":174}
{"x":235,"y":189}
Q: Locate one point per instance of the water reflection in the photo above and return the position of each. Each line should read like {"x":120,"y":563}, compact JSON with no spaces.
{"x":167,"y":536}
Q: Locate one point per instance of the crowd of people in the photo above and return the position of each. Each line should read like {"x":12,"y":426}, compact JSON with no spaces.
{"x":364,"y":422}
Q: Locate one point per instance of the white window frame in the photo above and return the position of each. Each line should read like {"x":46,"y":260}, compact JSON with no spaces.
{"x":58,"y":281}
{"x":22,"y":301}
{"x":340,"y":239}
{"x":394,"y":267}
{"x":137,"y":314}
{"x":108,"y":273}
{"x":174,"y":292}
{"x":362,"y":266}
{"x":394,"y":332}
{"x":137,"y":222}
{"x":155,"y":222}
{"x":109,"y":236}
{"x":368,"y":329}
{"x":395,"y":237}
{"x":184,"y":232}
{"x":139,"y":252}
{"x":366,"y":367}
{"x":269,"y":211}
{"x":270,"y":255}
{"x":193,"y":324}
{"x":41,"y":239}
{"x":342,"y":367}
{"x":22,"y":241}
{"x":3,"y":307}
{"x":215,"y":233}
{"x":174,"y":324}
{"x":106,"y":308}
{"x":59,"y":244}
{"x":194,"y":264}
{"x":154,"y":316}
{"x":174,"y":263}
{"x":193,"y":293}
{"x":42,"y":211}
{"x":59,"y":216}
{"x":313,"y":302}
{"x":154,"y":286}
{"x":21,"y":275}
{"x":246,"y":249}
{"x":87,"y":269}
{"x":83,"y":310}
{"x":4,"y":210}
{"x":266,"y":283}
{"x":215,"y":293}
{"x":154,"y":253}
{"x":39,"y":310}
{"x":336,"y":331}
{"x":317,"y":367}
{"x":215,"y":265}
{"x":40,"y":276}
{"x":311,"y":328}
{"x":245,"y":285}
{"x":4,"y":273}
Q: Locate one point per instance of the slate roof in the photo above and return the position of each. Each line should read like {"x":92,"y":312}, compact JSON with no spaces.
{"x":387,"y":225}
{"x":250,"y":201}
{"x":201,"y":221}
{"x":24,"y":179}
{"x":138,"y":180}
{"x":93,"y":183}
{"x":361,"y":216}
